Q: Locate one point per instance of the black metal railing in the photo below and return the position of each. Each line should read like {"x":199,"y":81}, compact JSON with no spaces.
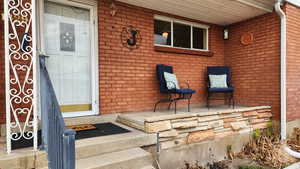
{"x":58,"y":141}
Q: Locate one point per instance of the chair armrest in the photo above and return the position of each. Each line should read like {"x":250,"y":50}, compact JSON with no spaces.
{"x":187,"y":83}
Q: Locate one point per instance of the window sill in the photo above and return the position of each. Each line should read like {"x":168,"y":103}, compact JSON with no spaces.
{"x":182,"y":51}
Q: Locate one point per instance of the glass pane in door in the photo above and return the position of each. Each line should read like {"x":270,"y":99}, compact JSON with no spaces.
{"x":68,"y":43}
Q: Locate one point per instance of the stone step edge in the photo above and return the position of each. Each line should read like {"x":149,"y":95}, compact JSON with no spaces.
{"x":130,"y":123}
{"x":148,"y":167}
{"x":117,"y":143}
{"x":208,"y":113}
{"x":109,"y":158}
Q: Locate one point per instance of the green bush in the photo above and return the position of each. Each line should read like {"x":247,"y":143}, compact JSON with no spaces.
{"x":256,"y":134}
{"x":250,"y":167}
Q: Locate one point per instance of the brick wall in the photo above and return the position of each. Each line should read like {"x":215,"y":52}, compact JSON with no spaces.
{"x":256,"y":67}
{"x":2,"y":65}
{"x":127,"y":78}
{"x":293,"y":62}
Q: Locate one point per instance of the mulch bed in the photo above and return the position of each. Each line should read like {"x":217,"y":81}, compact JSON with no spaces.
{"x":264,"y":151}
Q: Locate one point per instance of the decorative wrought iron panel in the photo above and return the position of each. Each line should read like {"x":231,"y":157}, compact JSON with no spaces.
{"x":20,"y":65}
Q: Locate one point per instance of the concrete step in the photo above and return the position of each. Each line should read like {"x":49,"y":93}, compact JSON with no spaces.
{"x":133,"y":120}
{"x":91,"y":119}
{"x":105,"y":144}
{"x":85,"y":148}
{"x":23,"y":159}
{"x":148,"y":167}
{"x":135,"y":158}
{"x":141,"y":157}
{"x":293,"y":166}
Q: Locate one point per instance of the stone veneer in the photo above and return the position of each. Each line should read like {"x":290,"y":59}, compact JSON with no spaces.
{"x":179,"y":129}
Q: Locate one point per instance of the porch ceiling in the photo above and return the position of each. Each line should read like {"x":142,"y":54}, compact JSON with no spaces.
{"x":221,"y":12}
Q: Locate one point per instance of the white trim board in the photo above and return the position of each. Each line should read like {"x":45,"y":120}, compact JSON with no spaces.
{"x":169,"y":19}
{"x":87,"y":2}
{"x":256,"y":4}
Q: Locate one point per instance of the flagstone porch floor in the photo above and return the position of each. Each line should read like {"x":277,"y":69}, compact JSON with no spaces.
{"x":138,"y":119}
{"x":199,"y":125}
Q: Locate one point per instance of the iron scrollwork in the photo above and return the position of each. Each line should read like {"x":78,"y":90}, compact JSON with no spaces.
{"x":131,"y":37}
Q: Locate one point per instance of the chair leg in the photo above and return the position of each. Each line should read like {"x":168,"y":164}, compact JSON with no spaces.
{"x":156,"y":105}
{"x":229,"y":100}
{"x":207,"y":101}
{"x":233,"y":101}
{"x":169,"y":107}
{"x":189,"y":103}
{"x":175,"y":103}
{"x":166,"y":100}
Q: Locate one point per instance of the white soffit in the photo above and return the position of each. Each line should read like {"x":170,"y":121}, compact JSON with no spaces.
{"x":221,"y":12}
{"x":294,"y":2}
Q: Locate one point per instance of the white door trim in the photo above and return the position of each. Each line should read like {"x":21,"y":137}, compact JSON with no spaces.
{"x":92,"y":6}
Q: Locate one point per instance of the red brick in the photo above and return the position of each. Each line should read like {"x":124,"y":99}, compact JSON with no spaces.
{"x":293,"y":62}
{"x":256,"y":67}
{"x":135,"y":70}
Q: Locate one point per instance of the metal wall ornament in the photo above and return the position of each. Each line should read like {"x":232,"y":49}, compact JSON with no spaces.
{"x":247,"y":38}
{"x":20,"y":71}
{"x":131,"y":37}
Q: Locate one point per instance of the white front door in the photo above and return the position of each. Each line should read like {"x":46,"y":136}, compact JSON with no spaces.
{"x":69,"y":45}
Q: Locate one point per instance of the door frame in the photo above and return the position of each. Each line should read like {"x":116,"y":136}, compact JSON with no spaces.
{"x":92,"y":6}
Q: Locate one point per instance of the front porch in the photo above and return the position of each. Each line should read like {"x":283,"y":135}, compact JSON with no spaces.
{"x":100,"y":79}
{"x":201,"y":129}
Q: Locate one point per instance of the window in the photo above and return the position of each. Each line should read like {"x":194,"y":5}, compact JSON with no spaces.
{"x":162,"y":32}
{"x":180,"y":34}
{"x":199,"y":38}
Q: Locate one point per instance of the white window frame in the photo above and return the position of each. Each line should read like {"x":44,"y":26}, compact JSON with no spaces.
{"x":191,"y":24}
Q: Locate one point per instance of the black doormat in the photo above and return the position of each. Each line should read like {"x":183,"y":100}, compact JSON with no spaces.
{"x":102,"y":129}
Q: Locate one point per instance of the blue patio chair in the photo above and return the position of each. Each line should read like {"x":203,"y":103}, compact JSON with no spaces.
{"x":174,"y":94}
{"x":228,"y":90}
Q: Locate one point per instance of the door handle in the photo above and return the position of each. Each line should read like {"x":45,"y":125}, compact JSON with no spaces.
{"x":45,"y":56}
